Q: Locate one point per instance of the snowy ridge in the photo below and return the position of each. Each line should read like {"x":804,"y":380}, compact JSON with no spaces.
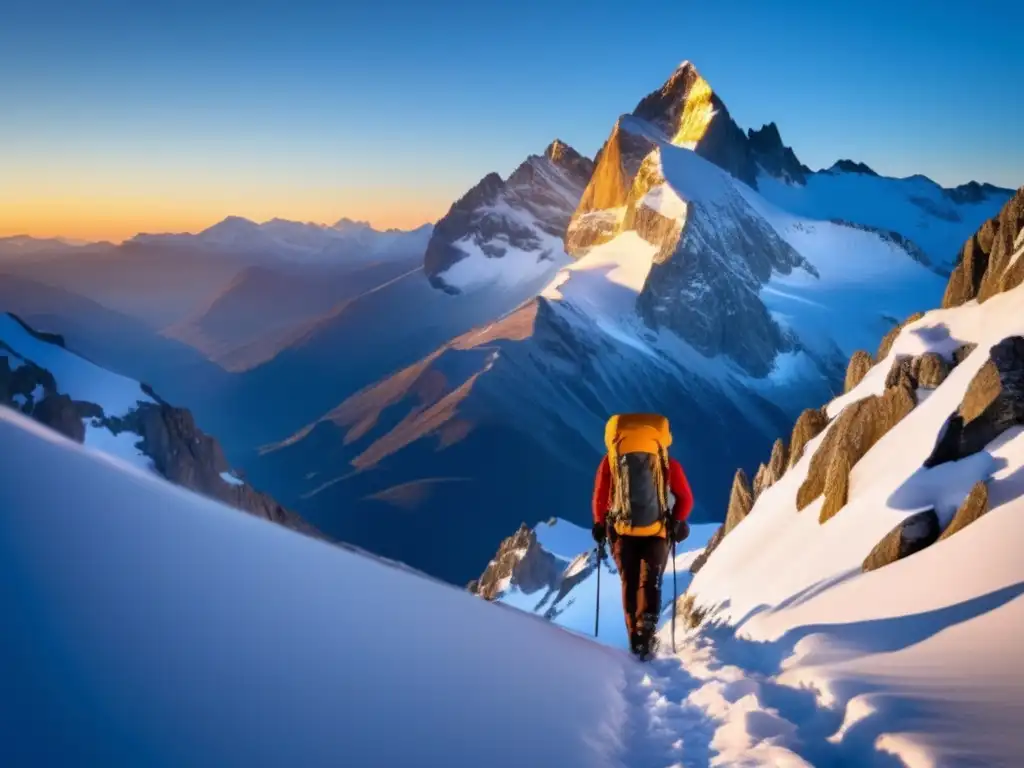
{"x":121,"y":420}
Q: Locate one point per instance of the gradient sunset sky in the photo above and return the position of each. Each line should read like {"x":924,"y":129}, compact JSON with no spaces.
{"x":120,"y":117}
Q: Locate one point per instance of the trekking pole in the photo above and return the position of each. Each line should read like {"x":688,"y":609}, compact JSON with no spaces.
{"x":675,"y":597}
{"x":597,"y":610}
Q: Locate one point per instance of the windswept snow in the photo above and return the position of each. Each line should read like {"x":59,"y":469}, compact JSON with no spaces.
{"x":76,"y":377}
{"x":268,"y":649}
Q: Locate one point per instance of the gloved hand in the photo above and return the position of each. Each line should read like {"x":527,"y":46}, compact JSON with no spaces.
{"x":678,"y":531}
{"x":599,"y":532}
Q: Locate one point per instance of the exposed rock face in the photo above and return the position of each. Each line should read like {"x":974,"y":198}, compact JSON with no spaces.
{"x":520,"y":562}
{"x":974,"y":506}
{"x":809,"y":425}
{"x":708,"y":290}
{"x":993,"y":402}
{"x":989,"y":262}
{"x":179,"y":450}
{"x":525,"y":216}
{"x":185,"y":455}
{"x":857,"y":429}
{"x":973,"y":192}
{"x":713,"y":542}
{"x":912,"y":535}
{"x":774,"y":157}
{"x":598,"y":218}
{"x":858,"y":367}
{"x":690,"y":113}
{"x":885,"y":346}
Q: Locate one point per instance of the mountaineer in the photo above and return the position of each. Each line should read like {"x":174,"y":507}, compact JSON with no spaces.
{"x":632,"y":511}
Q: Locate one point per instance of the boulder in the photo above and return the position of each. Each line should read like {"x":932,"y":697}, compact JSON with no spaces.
{"x":858,"y":367}
{"x":901,"y":374}
{"x":930,"y":370}
{"x":973,"y":507}
{"x":917,"y":532}
{"x":992,"y":403}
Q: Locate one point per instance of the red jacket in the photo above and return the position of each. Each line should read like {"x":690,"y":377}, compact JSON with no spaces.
{"x":677,"y":483}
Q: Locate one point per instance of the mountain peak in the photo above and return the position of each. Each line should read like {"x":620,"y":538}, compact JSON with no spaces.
{"x":567,"y":158}
{"x":773,"y":156}
{"x":849,"y":166}
{"x":346,"y":224}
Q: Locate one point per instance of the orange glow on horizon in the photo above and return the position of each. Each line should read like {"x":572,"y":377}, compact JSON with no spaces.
{"x":117,"y":220}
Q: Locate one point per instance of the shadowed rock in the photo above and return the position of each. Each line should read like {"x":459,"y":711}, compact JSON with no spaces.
{"x":901,"y":374}
{"x":992,"y":403}
{"x":962,"y":352}
{"x":521,"y":562}
{"x":809,"y":425}
{"x":912,"y":535}
{"x":860,"y":364}
{"x":713,"y":542}
{"x":973,"y":507}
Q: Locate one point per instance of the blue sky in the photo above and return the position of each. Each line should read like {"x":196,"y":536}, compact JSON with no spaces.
{"x":313,"y":110}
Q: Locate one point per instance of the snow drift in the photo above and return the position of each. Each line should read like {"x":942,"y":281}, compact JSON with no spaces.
{"x":146,"y":625}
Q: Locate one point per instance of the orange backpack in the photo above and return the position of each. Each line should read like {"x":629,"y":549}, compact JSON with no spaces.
{"x":637,"y":446}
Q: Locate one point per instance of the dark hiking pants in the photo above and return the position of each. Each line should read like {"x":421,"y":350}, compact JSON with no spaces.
{"x":641,"y":562}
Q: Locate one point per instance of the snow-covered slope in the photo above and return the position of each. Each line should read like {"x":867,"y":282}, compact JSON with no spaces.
{"x":145,"y":625}
{"x":916,"y":658}
{"x":119,"y":417}
{"x":510,"y":232}
{"x":938,"y":220}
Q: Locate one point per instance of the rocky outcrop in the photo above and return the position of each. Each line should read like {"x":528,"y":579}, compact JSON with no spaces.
{"x":183,"y":454}
{"x":691,"y":114}
{"x":885,"y":346}
{"x":527,"y":214}
{"x":989,"y":262}
{"x":179,"y":451}
{"x":993,"y":403}
{"x":521,"y":562}
{"x":774,"y":157}
{"x":809,"y":425}
{"x":901,"y":374}
{"x":741,"y":501}
{"x":973,"y":507}
{"x":917,"y":532}
{"x":769,"y":474}
{"x":858,"y":367}
{"x":930,"y":370}
{"x":857,"y":429}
